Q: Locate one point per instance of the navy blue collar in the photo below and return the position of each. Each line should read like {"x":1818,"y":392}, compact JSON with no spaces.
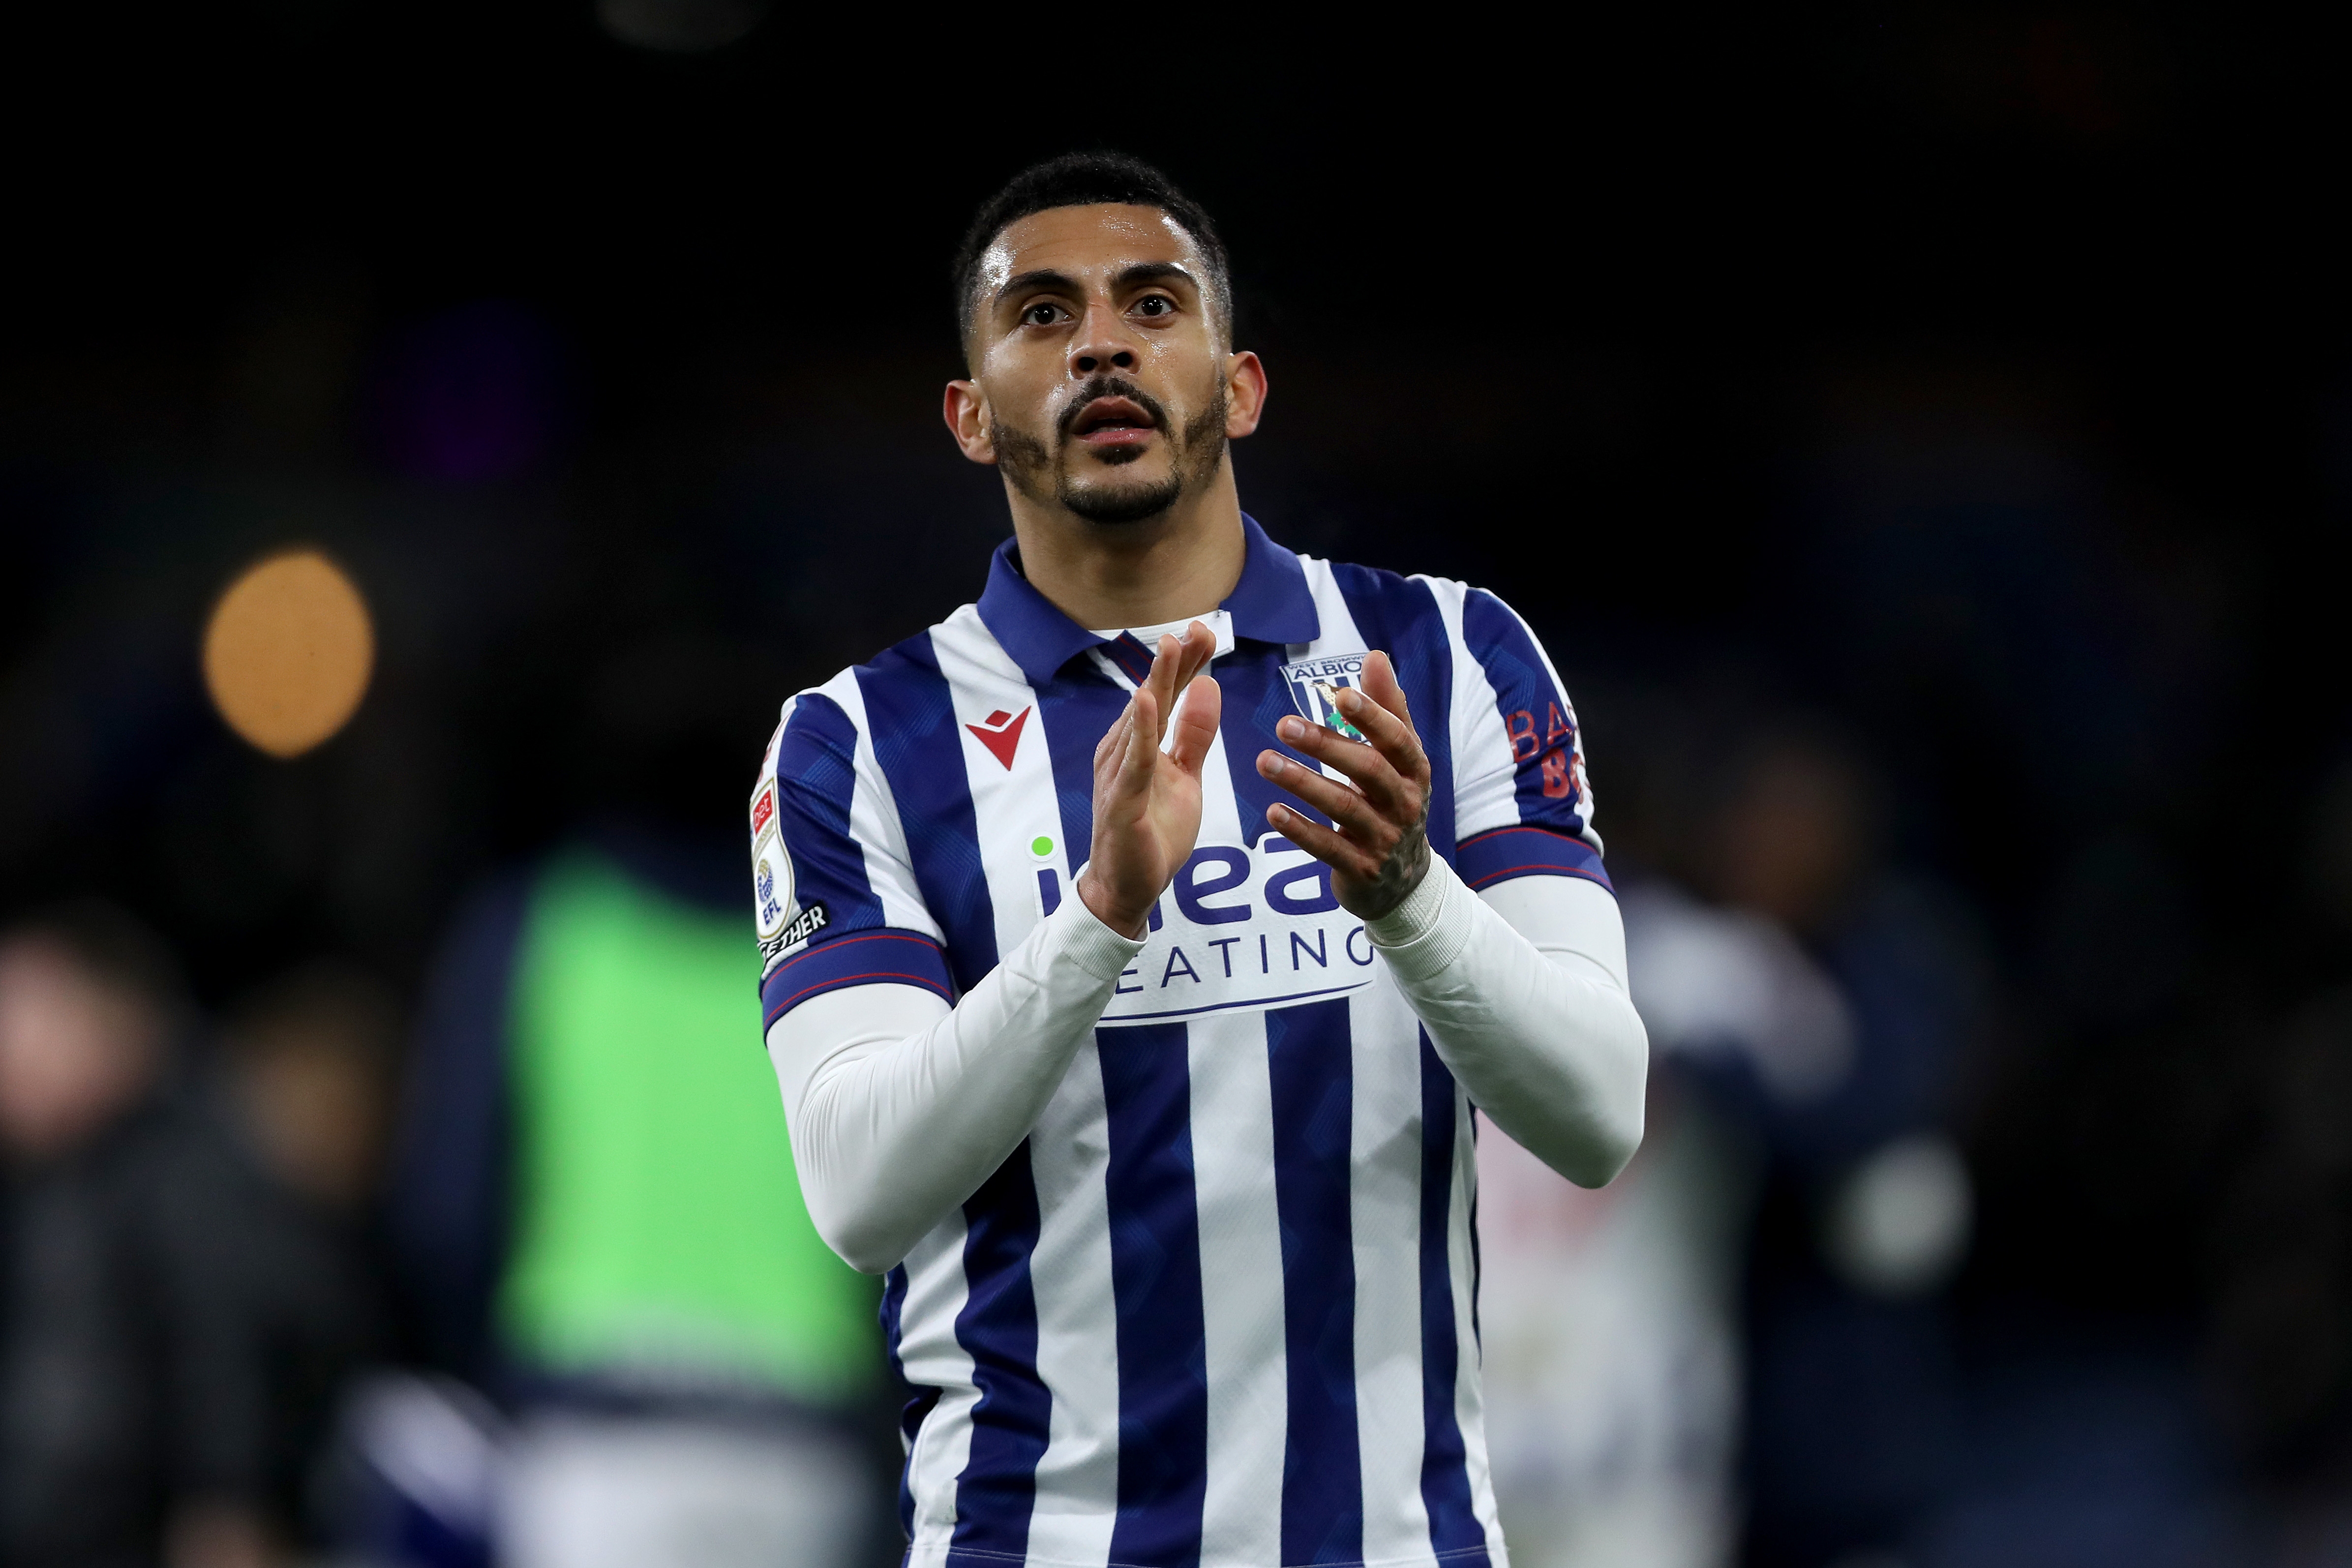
{"x":1272,"y":603}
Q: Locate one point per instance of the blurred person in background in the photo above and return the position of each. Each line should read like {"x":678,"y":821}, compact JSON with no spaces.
{"x":595,"y":1208}
{"x":1865,"y":1205}
{"x":175,"y":1323}
{"x":1609,"y":1335}
{"x":1614,"y":1322}
{"x":309,"y":1059}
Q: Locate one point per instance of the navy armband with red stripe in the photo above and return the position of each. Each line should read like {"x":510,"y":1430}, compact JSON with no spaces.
{"x":1487,"y":858}
{"x":883,"y":956}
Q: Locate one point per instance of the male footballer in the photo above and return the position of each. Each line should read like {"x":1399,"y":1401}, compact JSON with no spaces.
{"x":1139,"y":939}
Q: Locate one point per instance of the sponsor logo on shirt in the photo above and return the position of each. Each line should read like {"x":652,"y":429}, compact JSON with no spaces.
{"x":1001,"y":733}
{"x":763,"y":815}
{"x":1561,"y":769}
{"x":1242,"y":928}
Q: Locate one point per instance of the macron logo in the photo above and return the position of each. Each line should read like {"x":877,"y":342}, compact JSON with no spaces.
{"x":1001,"y":733}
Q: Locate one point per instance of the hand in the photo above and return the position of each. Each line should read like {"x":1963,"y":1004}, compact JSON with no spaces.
{"x":1378,"y":847}
{"x":1148,"y":802}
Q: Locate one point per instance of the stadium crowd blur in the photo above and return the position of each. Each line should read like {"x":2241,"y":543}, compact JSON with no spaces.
{"x":1917,"y":442}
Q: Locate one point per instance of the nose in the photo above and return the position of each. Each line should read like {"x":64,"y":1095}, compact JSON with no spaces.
{"x":1101,"y":344}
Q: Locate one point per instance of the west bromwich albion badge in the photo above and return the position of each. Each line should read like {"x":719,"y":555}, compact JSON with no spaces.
{"x":1315,"y":687}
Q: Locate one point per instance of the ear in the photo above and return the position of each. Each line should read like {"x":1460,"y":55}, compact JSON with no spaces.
{"x":1244,"y":393}
{"x":967,"y":416}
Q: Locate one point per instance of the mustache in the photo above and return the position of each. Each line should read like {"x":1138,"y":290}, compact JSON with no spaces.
{"x":1109,"y":386}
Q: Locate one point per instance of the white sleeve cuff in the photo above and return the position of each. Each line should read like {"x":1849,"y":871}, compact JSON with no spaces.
{"x":1427,"y":931}
{"x":1073,"y":932}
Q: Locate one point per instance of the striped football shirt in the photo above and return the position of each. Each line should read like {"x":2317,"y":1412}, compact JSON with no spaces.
{"x":1218,"y":1309}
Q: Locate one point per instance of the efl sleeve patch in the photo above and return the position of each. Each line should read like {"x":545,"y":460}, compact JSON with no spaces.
{"x":772,"y":869}
{"x":817,"y":874}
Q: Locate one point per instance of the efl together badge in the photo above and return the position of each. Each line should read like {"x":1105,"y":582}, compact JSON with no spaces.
{"x":1315,"y":687}
{"x":771,"y":869}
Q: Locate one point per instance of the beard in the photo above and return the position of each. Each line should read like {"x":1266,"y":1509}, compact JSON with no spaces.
{"x":1043,"y":473}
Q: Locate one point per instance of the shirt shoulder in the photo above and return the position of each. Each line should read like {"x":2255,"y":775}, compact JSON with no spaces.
{"x":834,"y":893}
{"x":911,"y":663}
{"x":1372,"y":608}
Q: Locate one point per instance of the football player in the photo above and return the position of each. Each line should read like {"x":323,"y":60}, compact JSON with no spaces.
{"x":1139,"y":937}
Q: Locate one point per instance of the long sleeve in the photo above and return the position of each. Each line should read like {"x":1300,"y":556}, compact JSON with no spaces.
{"x":900,"y":1107}
{"x":1523,"y":991}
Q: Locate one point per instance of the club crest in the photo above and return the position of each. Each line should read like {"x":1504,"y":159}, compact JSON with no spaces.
{"x":1315,"y":687}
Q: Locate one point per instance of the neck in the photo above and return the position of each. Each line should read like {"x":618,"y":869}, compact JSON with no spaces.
{"x":1104,"y":576}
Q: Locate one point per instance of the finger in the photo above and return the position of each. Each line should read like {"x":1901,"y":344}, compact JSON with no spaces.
{"x":1134,"y":778}
{"x":1200,"y":648}
{"x":1333,"y":849}
{"x":1327,"y":795}
{"x":1379,"y":683}
{"x":1379,"y":711}
{"x":1111,"y":762}
{"x":1192,"y":652}
{"x":1161,"y":682}
{"x":1369,"y":768}
{"x":1401,"y":762}
{"x":1113,"y":744}
{"x":1196,"y":723}
{"x":1371,"y":718}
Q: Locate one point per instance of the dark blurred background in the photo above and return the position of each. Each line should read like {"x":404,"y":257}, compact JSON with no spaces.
{"x":1963,"y":396}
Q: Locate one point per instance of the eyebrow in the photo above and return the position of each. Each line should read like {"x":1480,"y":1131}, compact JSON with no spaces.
{"x":1129,"y":278}
{"x":1154,"y":273}
{"x":1022,"y":283}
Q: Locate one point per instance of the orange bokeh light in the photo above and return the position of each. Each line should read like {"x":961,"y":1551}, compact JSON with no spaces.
{"x":288,"y":651}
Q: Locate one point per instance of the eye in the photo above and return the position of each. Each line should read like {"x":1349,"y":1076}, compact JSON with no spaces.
{"x":1043,"y":313}
{"x":1155,"y":305}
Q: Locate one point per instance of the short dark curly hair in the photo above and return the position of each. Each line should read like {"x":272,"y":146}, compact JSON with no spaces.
{"x":1084,"y":179}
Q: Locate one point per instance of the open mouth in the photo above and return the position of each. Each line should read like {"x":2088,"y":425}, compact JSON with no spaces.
{"x":1112,"y":422}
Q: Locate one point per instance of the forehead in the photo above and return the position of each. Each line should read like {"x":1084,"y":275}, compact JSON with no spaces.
{"x":1087,"y":241}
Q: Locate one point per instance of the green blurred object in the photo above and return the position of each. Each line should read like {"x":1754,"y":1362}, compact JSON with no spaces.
{"x":660,"y":1230}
